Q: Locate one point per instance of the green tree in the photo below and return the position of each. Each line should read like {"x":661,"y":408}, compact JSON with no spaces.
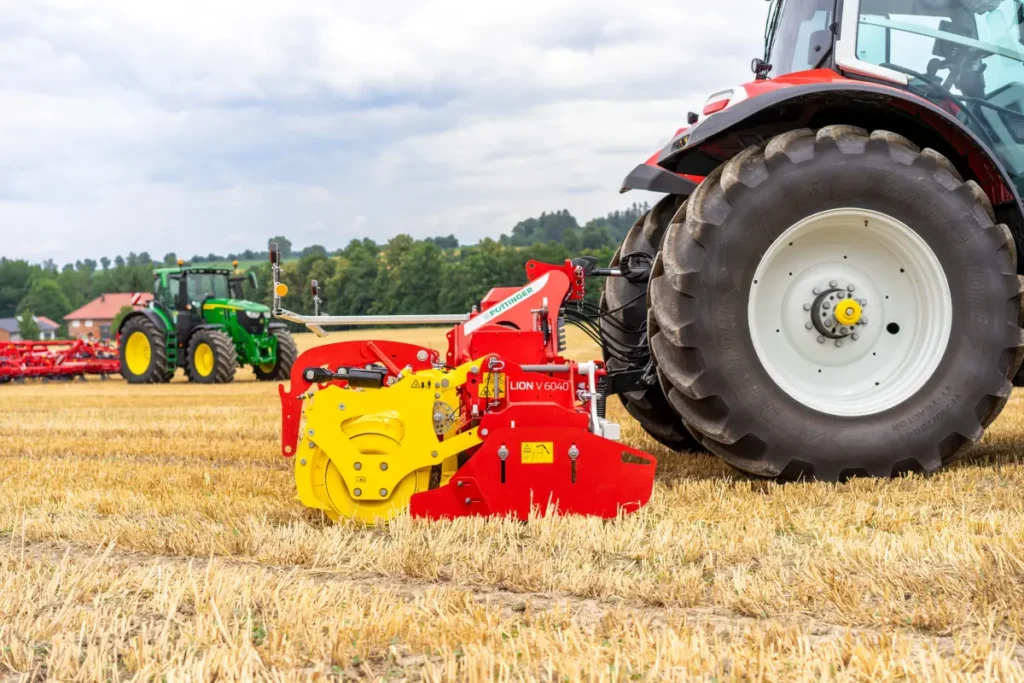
{"x":28,"y":328}
{"x":47,"y":298}
{"x":284,"y":245}
{"x":170,"y":259}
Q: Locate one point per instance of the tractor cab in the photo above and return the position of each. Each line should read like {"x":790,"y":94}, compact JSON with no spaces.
{"x":965,"y":56}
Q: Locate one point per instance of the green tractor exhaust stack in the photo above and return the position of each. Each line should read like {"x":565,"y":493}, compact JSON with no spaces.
{"x":199,"y":320}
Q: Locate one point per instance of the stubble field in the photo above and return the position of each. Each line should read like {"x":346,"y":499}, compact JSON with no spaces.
{"x":152,"y":533}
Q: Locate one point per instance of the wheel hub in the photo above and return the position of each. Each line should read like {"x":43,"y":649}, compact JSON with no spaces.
{"x":835,"y":313}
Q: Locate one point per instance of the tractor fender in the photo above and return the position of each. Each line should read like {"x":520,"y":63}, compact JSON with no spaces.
{"x":147,"y":312}
{"x":653,"y":178}
{"x":777,"y":106}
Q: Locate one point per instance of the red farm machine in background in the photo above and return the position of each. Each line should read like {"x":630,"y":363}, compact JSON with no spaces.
{"x":57,"y":360}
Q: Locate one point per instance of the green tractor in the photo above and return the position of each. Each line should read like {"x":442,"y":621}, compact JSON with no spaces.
{"x":199,"y":320}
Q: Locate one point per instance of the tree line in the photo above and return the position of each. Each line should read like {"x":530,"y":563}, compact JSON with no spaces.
{"x":403,"y":276}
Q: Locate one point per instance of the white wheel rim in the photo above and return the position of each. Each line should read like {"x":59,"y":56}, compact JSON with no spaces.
{"x":907,"y":312}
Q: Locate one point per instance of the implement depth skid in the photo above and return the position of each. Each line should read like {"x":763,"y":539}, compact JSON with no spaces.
{"x":502,"y":424}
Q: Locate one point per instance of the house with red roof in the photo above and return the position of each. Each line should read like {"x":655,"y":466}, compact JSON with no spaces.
{"x":95,"y":317}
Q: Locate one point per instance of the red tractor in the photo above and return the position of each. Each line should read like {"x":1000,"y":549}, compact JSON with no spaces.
{"x":833,"y":285}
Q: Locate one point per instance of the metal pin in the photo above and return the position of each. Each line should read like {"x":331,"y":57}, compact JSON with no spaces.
{"x":421,"y":355}
{"x":502,"y":452}
{"x":483,"y":432}
{"x":474,"y":369}
{"x":573,"y":451}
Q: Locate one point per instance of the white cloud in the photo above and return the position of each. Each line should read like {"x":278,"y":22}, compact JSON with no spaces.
{"x":209,"y":126}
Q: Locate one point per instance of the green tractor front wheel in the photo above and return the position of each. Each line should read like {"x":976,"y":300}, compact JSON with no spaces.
{"x":143,"y":352}
{"x":281,"y":368}
{"x":211,"y":357}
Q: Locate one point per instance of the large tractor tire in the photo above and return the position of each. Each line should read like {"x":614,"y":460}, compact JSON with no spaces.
{"x":623,"y":326}
{"x":281,"y":368}
{"x":143,"y":352}
{"x":212,"y":358}
{"x":838,"y":303}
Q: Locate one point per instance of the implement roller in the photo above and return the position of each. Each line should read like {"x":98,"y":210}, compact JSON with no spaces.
{"x":501,"y":424}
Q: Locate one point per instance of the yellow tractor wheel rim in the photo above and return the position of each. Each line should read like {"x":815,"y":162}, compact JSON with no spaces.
{"x":202,"y":360}
{"x":138,"y":353}
{"x":267,"y":367}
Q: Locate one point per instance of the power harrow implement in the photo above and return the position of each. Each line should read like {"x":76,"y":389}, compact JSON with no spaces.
{"x":57,"y":360}
{"x":500,"y":424}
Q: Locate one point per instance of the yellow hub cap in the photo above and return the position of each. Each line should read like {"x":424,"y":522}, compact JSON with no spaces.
{"x":137,"y":353}
{"x":202,"y":360}
{"x":848,"y":312}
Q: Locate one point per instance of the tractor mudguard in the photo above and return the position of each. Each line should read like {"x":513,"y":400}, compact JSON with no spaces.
{"x":779,"y":105}
{"x":157,"y":319}
{"x":651,"y":177}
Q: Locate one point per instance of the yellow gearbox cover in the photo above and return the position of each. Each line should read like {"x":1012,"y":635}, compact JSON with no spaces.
{"x":367,"y":451}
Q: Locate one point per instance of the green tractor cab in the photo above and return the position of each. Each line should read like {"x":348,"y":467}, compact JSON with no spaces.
{"x":200,"y":320}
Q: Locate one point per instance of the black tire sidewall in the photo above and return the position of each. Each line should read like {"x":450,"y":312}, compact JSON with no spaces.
{"x":967,"y":252}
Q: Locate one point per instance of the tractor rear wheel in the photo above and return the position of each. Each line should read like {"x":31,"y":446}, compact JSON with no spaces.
{"x":281,"y":368}
{"x":623,"y":328}
{"x":143,"y":351}
{"x":835,"y":304}
{"x":212,"y":358}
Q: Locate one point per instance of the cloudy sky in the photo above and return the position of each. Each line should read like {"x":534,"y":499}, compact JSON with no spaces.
{"x":188,"y":126}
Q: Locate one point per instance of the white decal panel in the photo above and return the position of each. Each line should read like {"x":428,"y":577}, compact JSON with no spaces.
{"x":498,"y":309}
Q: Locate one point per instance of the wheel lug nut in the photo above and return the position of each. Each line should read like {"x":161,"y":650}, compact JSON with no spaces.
{"x":855,"y":336}
{"x":809,"y":325}
{"x":864,"y":321}
{"x":817,"y":290}
{"x":832,"y":283}
{"x":807,"y":307}
{"x":851,"y":288}
{"x":839,"y":344}
{"x":827,"y":305}
{"x":821,"y":340}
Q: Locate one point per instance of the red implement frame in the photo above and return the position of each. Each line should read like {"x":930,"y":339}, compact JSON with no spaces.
{"x":57,"y":359}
